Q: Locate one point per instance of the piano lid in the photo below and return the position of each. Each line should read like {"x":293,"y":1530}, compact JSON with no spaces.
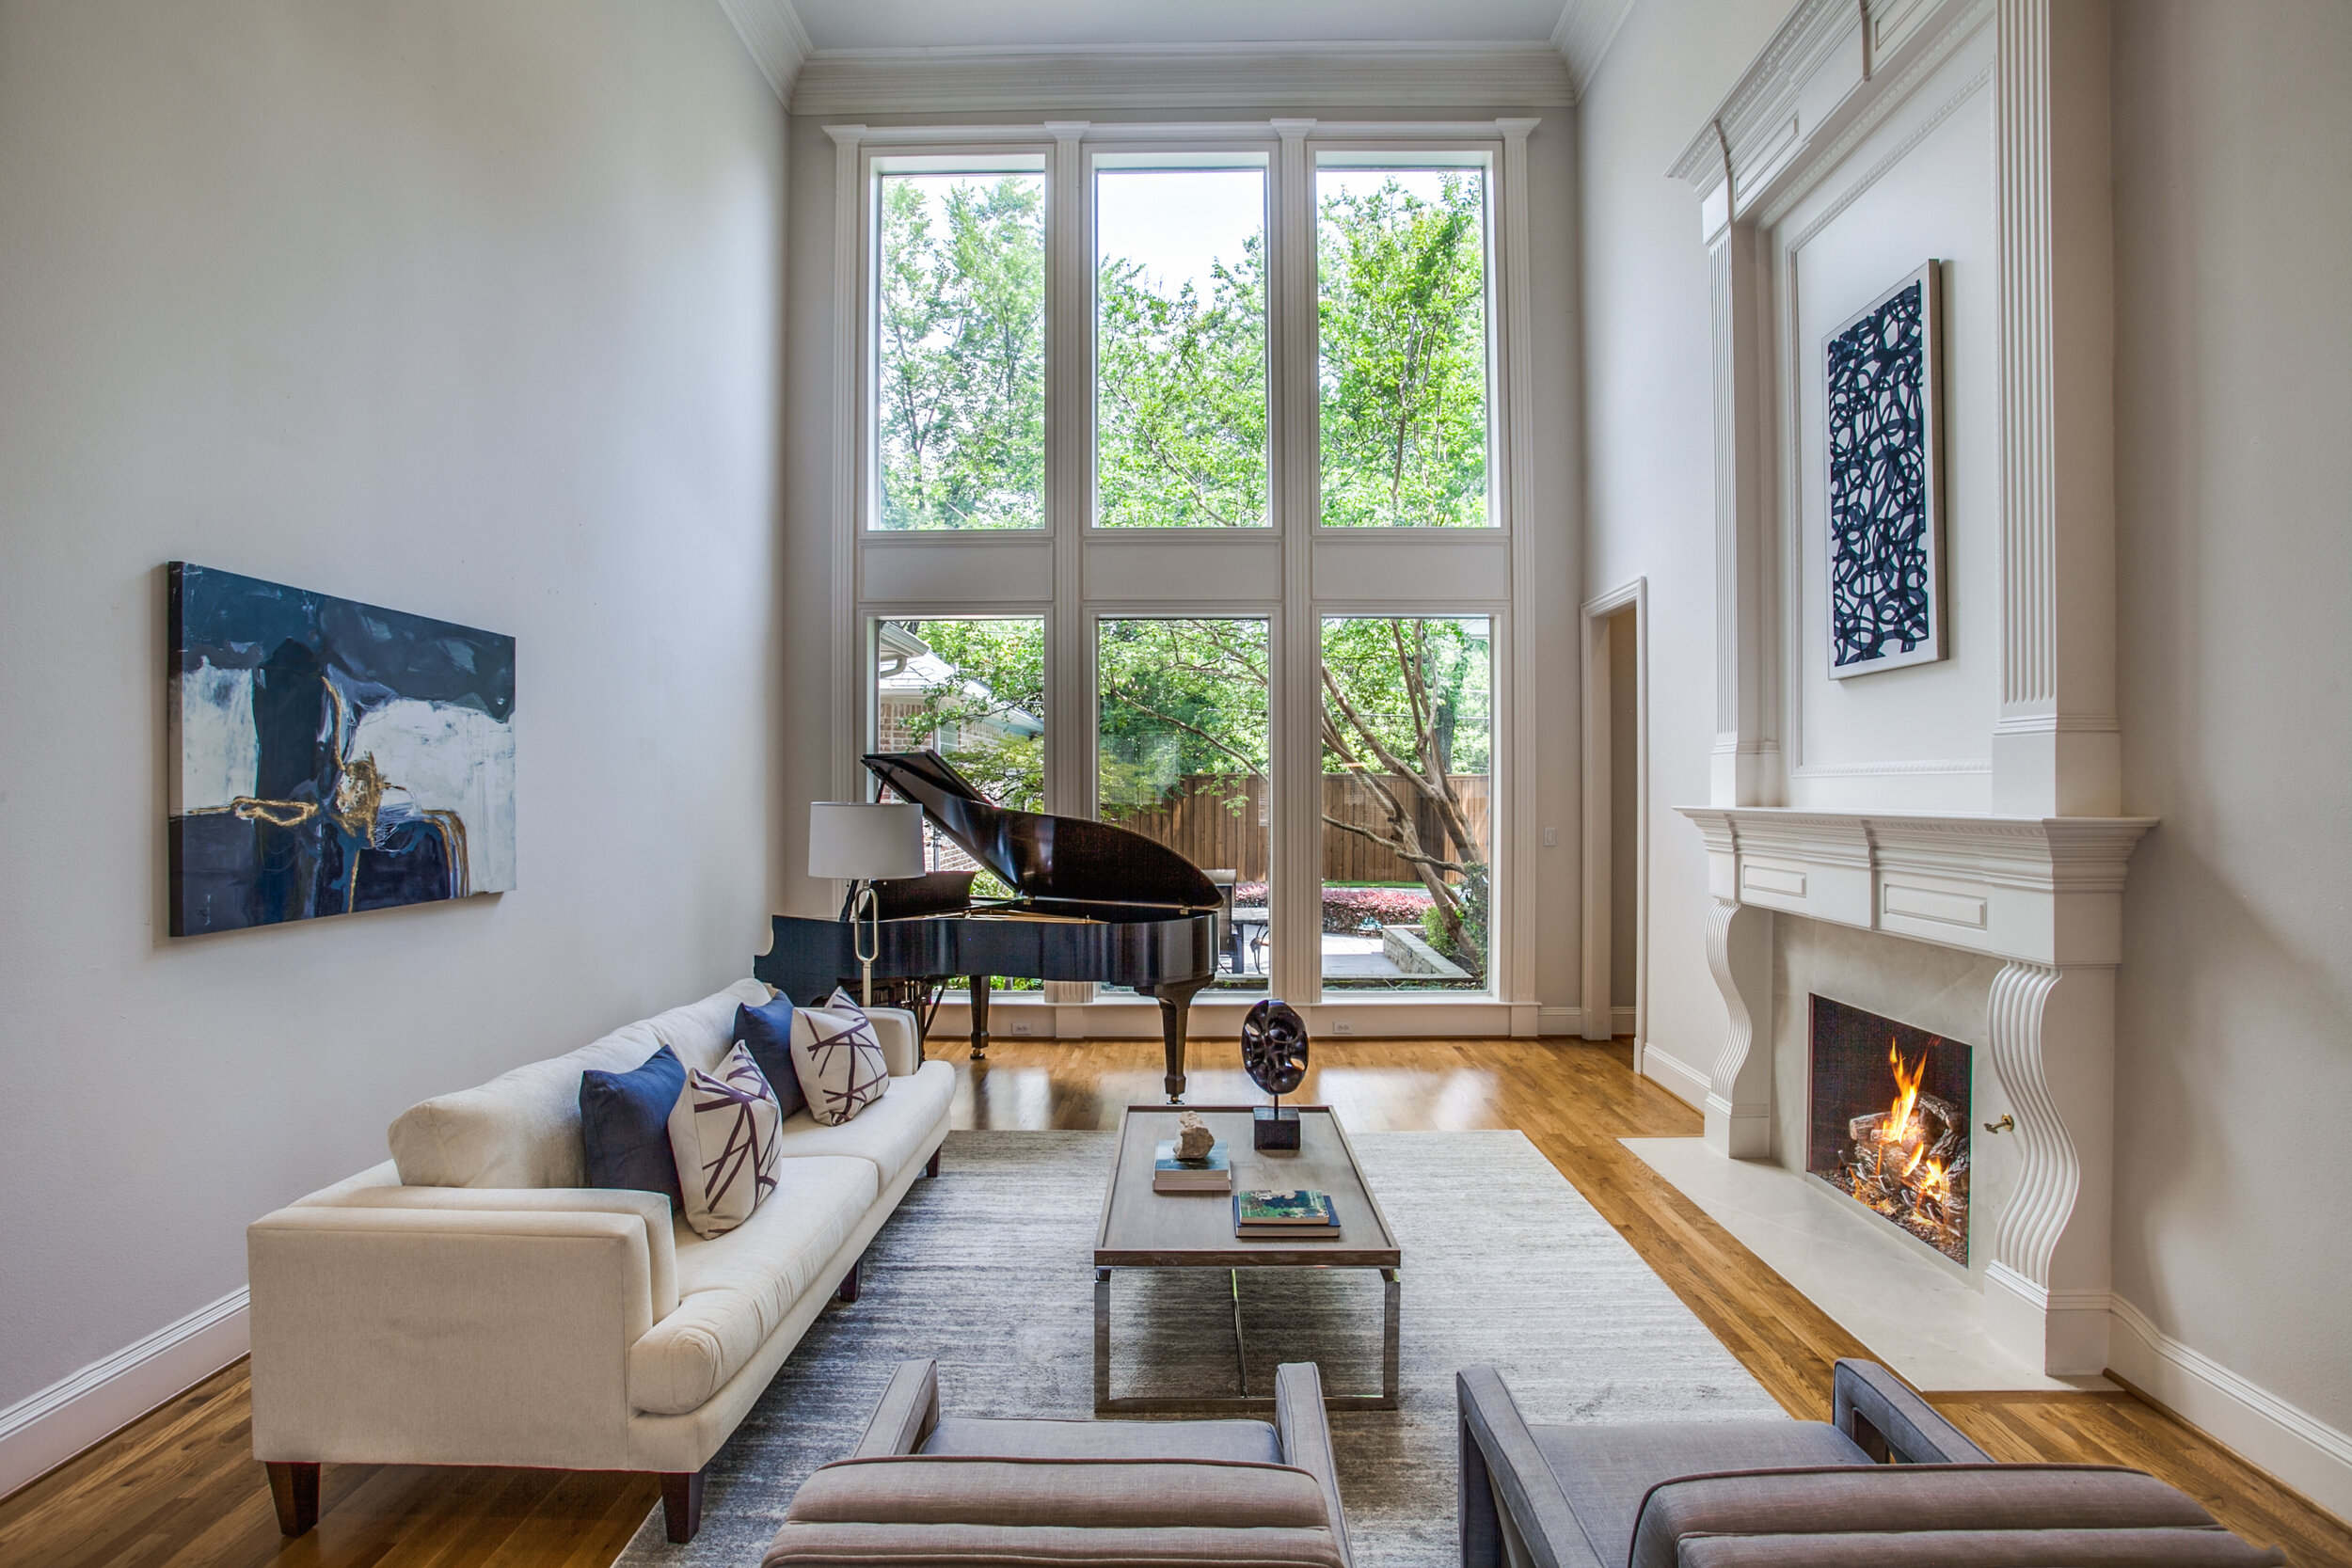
{"x":1045,"y":860}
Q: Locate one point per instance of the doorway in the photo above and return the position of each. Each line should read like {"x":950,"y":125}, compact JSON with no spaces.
{"x":1616,"y":820}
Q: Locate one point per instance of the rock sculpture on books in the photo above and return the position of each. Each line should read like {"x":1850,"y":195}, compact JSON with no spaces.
{"x":1193,"y":1138}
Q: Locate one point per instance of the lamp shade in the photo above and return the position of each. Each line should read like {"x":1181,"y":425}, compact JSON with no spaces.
{"x":864,"y":841}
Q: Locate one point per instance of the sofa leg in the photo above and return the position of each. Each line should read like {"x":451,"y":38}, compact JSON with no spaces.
{"x":294,"y":1488}
{"x":682,"y":1505}
{"x":933,"y":1168}
{"x":847,"y":1289}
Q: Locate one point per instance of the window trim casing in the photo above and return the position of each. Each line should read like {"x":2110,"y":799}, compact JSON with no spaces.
{"x":1301,"y":541}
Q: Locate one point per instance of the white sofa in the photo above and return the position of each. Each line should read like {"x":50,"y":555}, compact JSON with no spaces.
{"x":471,"y":1302}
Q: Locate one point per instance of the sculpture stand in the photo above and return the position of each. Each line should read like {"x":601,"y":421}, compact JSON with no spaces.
{"x":1274,"y":1126}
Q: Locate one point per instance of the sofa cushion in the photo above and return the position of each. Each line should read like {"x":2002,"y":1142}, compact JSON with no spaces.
{"x":625,"y":1126}
{"x":897,"y":1131}
{"x":2014,"y":1513}
{"x":1095,"y":1494}
{"x":521,"y":1129}
{"x":1251,"y":1442}
{"x":1974,"y":1549}
{"x":840,"y":1062}
{"x":916,"y":1509}
{"x":723,"y":1131}
{"x":736,"y":1289}
{"x":1604,"y":1471}
{"x":767,"y":1033}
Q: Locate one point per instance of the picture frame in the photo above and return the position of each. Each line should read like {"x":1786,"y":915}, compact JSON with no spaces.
{"x":1882,"y":438}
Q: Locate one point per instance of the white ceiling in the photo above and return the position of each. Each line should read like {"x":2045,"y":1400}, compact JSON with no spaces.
{"x":1015,"y":24}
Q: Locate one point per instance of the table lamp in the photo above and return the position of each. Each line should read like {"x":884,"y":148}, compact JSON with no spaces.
{"x":864,"y":841}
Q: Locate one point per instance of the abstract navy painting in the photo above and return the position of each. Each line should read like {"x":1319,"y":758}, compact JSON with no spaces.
{"x":329,"y":756}
{"x":1885,"y":524}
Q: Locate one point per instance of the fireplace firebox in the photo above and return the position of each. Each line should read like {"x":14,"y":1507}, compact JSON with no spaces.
{"x":1889,"y":1125}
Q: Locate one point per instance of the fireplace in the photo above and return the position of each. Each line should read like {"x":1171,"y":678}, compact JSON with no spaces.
{"x":1889,"y":1123}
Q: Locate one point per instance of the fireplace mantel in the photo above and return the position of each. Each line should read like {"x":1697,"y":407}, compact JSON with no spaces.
{"x":2046,"y":890}
{"x":2043,"y":894}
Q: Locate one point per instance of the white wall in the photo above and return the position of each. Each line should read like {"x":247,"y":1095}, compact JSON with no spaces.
{"x":464,"y":307}
{"x":2233,"y":538}
{"x":1649,"y":460}
{"x":2233,"y":395}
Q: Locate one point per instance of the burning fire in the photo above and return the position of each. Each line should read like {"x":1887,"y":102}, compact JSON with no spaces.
{"x":1909,"y":1161}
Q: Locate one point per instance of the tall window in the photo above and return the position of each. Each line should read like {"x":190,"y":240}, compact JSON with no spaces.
{"x":1184,"y":759}
{"x":1180,"y":350}
{"x":1407,"y":776}
{"x":1401,"y":261}
{"x":960,"y":373}
{"x":1191,"y":438}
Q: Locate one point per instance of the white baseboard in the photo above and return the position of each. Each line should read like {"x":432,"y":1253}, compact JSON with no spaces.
{"x":1682,"y":1080}
{"x":1560,"y":1020}
{"x":2297,"y":1446}
{"x":42,"y":1431}
{"x":1621,"y":1021}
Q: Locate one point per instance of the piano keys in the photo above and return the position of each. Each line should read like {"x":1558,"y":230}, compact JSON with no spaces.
{"x":1090,"y":901}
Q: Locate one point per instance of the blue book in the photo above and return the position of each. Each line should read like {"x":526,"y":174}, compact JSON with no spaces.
{"x":1171,"y":1175}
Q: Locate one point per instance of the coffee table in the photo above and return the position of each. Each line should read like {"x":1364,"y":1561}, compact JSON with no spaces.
{"x":1144,"y":1230}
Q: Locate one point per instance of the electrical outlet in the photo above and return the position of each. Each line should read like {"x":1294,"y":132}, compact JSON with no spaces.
{"x":1024,"y":1026}
{"x":1341,"y":1026}
{"x":1551,"y":839}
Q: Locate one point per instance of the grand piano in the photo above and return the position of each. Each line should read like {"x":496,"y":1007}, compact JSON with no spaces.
{"x":1090,"y":901}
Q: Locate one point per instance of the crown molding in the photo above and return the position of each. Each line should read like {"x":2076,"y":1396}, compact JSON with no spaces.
{"x":1585,"y":30}
{"x":1833,"y":69}
{"x":1164,"y":77}
{"x":779,"y":46}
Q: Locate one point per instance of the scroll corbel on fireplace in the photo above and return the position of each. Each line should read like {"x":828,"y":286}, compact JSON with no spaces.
{"x":2043,"y":893}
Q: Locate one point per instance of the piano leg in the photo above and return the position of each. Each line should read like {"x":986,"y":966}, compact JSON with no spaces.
{"x":979,"y":1017}
{"x":1175,"y":999}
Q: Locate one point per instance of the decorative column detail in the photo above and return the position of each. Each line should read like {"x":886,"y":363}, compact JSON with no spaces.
{"x":2055,"y":748}
{"x":1740,"y":1085}
{"x":1744,"y":770}
{"x":1069,"y":468}
{"x":2052,"y":1036}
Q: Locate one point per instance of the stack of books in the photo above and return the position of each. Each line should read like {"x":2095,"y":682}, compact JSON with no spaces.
{"x":1171,"y":1175}
{"x":1304,"y":1215}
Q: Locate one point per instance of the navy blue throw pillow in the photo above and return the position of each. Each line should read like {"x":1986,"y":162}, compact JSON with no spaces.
{"x":625,"y":1126}
{"x":767,"y":1033}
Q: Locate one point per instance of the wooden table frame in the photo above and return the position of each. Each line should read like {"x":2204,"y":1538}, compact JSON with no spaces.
{"x":1356,"y":1207}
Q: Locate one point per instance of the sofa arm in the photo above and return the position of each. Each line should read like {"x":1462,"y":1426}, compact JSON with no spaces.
{"x":1502,"y":1466}
{"x":652,"y":1209}
{"x":900,"y":1041}
{"x":1302,"y":1425}
{"x":905,"y":1414}
{"x":1887,"y":1421}
{"x":441,"y":1336}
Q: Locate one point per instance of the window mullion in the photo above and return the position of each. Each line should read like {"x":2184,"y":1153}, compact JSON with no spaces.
{"x":1296,"y":749}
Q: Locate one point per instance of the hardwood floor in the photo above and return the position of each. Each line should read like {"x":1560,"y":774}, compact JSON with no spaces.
{"x":179,"y":1487}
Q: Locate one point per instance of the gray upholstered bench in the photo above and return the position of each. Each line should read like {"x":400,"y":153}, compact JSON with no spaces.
{"x":924,"y":1488}
{"x":1736,"y":1494}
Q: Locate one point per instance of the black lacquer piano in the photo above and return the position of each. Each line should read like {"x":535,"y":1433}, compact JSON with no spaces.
{"x":1090,"y":901}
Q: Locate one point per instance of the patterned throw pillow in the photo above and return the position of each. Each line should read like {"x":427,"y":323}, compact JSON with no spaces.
{"x":723,"y":1132}
{"x":837,"y":1059}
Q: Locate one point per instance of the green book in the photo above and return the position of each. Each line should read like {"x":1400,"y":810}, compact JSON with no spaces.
{"x":1304,"y":1206}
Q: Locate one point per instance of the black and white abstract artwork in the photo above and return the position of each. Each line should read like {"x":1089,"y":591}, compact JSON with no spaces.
{"x":329,"y":756}
{"x":1885,"y":527}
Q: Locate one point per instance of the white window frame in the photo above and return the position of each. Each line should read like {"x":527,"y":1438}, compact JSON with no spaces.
{"x":1293,"y":574}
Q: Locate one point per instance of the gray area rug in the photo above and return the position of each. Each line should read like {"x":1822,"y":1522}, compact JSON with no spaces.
{"x":988,"y":1269}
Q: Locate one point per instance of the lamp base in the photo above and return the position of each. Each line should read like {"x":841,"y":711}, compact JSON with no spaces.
{"x":1273,"y":1127}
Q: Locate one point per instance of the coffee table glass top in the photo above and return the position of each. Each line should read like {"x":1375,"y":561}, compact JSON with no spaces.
{"x":1144,"y":1230}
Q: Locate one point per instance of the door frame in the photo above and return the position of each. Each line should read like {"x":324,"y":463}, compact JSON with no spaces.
{"x":1598,"y":1008}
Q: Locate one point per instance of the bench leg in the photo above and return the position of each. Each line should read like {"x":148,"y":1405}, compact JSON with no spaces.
{"x":847,"y":1289}
{"x":933,"y":1168}
{"x":682,"y":1505}
{"x":294,"y":1488}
